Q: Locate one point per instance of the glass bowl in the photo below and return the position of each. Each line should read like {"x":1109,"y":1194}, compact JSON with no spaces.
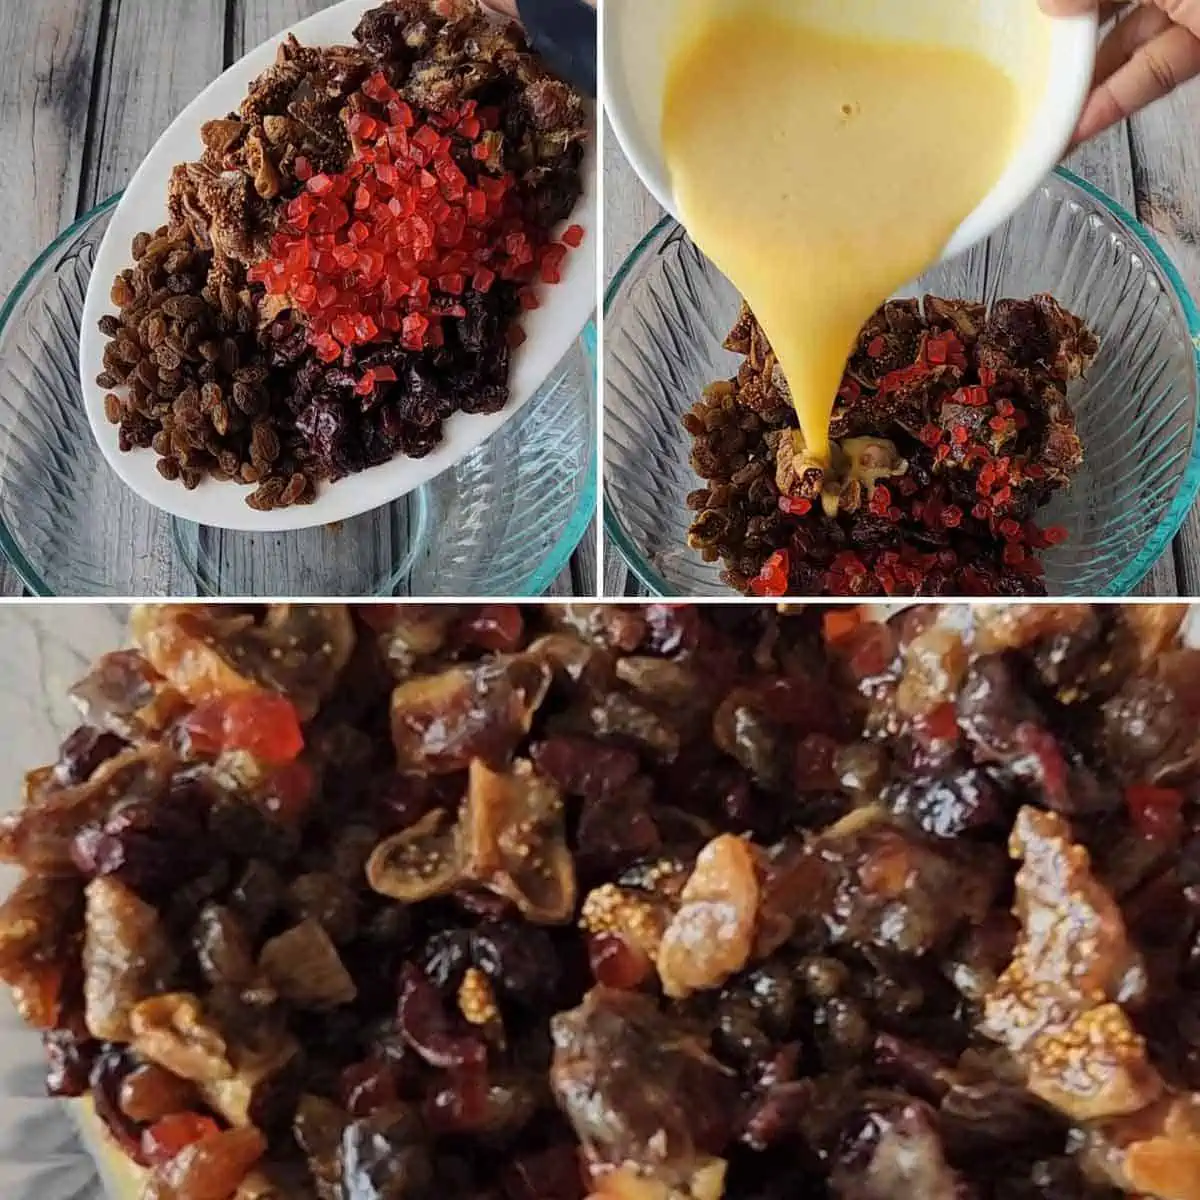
{"x":503,"y":521}
{"x":668,"y":311}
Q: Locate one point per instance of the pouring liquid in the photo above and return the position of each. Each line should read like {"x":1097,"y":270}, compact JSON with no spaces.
{"x":820,"y":172}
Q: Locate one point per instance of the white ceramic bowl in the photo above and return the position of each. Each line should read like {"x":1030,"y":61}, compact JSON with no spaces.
{"x":1053,"y":58}
{"x":551,"y":329}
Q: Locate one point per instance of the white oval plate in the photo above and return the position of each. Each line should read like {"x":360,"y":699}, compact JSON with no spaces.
{"x":551,"y":329}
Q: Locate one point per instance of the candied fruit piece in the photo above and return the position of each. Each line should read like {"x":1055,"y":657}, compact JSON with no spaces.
{"x":172,"y":1134}
{"x":263,"y":724}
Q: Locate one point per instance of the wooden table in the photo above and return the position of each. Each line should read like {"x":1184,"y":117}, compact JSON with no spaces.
{"x":87,"y":88}
{"x":1151,"y":166}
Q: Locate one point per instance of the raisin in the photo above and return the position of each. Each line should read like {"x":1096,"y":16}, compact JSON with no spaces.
{"x":109,"y":1071}
{"x":519,"y":959}
{"x":84,"y":751}
{"x":70,"y":1058}
{"x":585,"y":766}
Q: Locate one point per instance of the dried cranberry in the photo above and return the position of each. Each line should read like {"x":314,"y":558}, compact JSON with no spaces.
{"x":69,"y":1061}
{"x":617,"y":964}
{"x":552,"y":1174}
{"x":1156,"y":812}
{"x":109,"y":1071}
{"x":782,"y":1098}
{"x":584,"y":766}
{"x":286,"y":792}
{"x":495,"y":627}
{"x":431,"y":1030}
{"x":814,"y":763}
{"x":367,"y":1087}
{"x":405,"y":799}
{"x":912,"y":1066}
{"x":615,"y":831}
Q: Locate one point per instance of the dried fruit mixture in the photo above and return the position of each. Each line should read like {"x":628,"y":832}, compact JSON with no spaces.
{"x":951,"y":430}
{"x":635,"y":902}
{"x":346,"y":266}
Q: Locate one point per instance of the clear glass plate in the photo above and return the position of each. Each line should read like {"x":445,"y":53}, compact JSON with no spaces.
{"x":503,"y":522}
{"x":668,"y":311}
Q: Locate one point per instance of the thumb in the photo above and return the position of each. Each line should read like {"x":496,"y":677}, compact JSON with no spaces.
{"x":1069,"y":8}
{"x":1183,"y":12}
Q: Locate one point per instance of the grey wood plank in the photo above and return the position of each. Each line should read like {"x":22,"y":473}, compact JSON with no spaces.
{"x":253,"y":21}
{"x":49,"y":51}
{"x":1108,"y":162}
{"x":585,"y":567}
{"x":630,"y":212}
{"x":563,"y":585}
{"x":155,"y":58}
{"x":1166,"y":160}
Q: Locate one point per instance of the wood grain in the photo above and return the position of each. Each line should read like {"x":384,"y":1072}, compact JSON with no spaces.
{"x":49,"y":50}
{"x":155,"y":59}
{"x":251,"y":22}
{"x":1166,"y":172}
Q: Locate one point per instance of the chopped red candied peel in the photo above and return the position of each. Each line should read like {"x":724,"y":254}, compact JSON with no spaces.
{"x":796,"y":506}
{"x":173,"y":1134}
{"x":772,"y":580}
{"x":385,"y":250}
{"x":262,"y":724}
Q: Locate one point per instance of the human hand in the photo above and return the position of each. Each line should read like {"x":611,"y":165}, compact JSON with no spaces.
{"x":1152,"y":49}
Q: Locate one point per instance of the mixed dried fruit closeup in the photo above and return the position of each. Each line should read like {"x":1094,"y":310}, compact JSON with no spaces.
{"x":654,"y":902}
{"x":951,"y":431}
{"x":346,"y":266}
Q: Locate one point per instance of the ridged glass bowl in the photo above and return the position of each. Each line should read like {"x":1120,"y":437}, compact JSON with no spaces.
{"x":503,"y":522}
{"x":669,"y":309}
